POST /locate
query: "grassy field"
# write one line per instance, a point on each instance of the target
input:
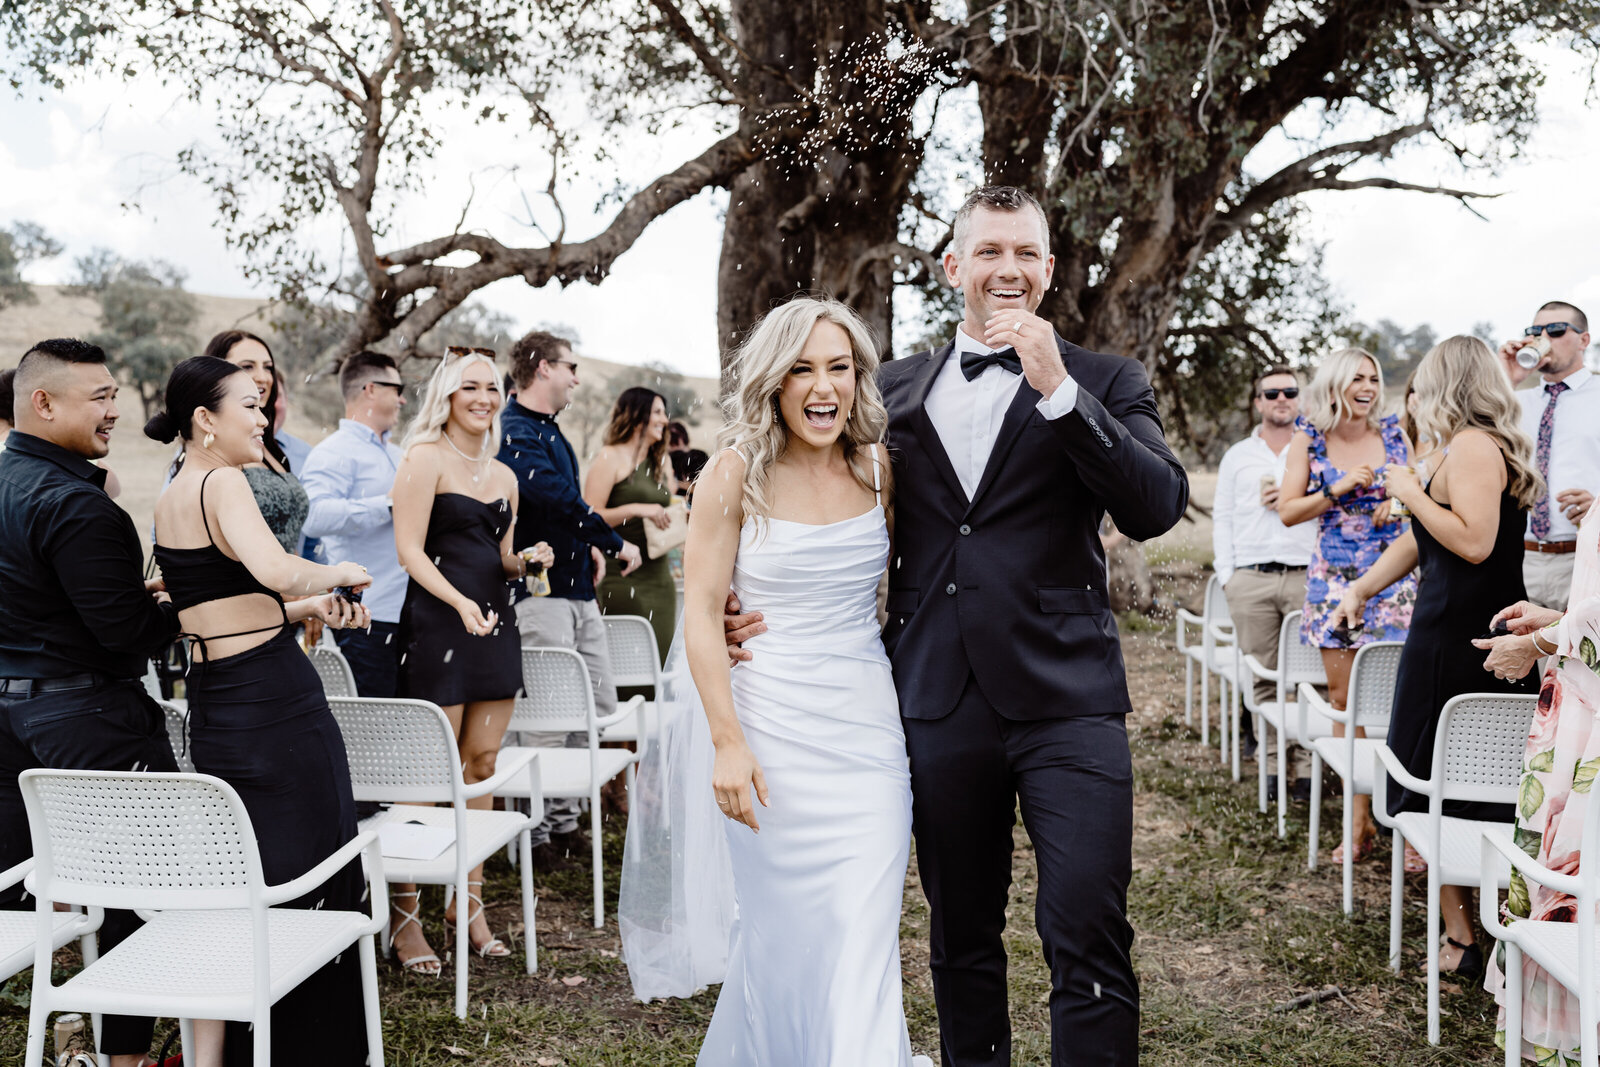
(1230, 924)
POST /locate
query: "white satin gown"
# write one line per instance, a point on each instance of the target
(813, 975)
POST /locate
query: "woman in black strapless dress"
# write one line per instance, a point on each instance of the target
(454, 506)
(258, 718)
(1466, 537)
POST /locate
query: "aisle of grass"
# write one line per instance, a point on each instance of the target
(1230, 923)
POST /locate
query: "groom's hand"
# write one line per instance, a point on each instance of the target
(739, 629)
(1035, 342)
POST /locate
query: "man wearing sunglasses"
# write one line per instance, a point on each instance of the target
(1562, 414)
(1260, 562)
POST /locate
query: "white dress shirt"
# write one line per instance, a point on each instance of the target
(1574, 443)
(1243, 531)
(348, 478)
(968, 414)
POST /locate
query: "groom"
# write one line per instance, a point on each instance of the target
(1009, 444)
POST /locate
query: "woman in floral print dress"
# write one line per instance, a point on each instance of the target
(1341, 449)
(1559, 769)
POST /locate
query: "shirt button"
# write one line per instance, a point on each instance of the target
(965, 529)
(950, 589)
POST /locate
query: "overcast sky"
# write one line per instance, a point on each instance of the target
(94, 166)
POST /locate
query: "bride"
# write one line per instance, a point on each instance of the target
(793, 902)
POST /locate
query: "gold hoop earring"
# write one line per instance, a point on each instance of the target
(210, 437)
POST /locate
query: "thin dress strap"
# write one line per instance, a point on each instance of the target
(203, 518)
(877, 492)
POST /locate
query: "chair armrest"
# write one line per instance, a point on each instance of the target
(11, 877)
(1531, 869)
(1310, 698)
(602, 721)
(1186, 619)
(1391, 763)
(1256, 668)
(1222, 631)
(367, 840)
(506, 767)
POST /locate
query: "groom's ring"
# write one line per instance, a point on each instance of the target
(1016, 328)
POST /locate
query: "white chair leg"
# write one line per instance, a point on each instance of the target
(1432, 947)
(1513, 1004)
(530, 902)
(1261, 764)
(1316, 811)
(1348, 875)
(594, 841)
(1284, 781)
(1397, 886)
(1188, 691)
(463, 947)
(369, 1001)
(1222, 718)
(1234, 712)
(38, 1017)
(262, 1032)
(1205, 704)
(186, 1039)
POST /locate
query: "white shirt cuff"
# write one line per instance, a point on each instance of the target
(1060, 402)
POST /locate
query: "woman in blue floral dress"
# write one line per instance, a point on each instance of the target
(1342, 447)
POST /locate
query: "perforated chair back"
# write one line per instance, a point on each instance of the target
(1479, 749)
(334, 670)
(1372, 676)
(399, 750)
(130, 839)
(1216, 603)
(178, 736)
(556, 694)
(1297, 661)
(631, 644)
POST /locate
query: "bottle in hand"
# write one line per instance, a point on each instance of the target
(537, 578)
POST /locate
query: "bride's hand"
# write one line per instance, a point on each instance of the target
(732, 776)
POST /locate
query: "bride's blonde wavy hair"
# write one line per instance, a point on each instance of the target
(755, 429)
(434, 411)
(1460, 387)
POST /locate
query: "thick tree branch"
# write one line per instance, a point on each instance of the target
(708, 59)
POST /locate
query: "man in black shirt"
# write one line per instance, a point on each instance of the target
(77, 622)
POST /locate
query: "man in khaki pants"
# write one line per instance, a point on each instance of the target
(1260, 562)
(1562, 415)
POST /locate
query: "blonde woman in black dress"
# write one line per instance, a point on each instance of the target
(454, 506)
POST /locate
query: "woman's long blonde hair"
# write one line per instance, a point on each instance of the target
(1324, 405)
(754, 427)
(434, 411)
(1460, 387)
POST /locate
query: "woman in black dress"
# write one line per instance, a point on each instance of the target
(454, 505)
(258, 718)
(1466, 536)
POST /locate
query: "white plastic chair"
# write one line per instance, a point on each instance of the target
(1566, 950)
(334, 670)
(1215, 654)
(405, 751)
(180, 849)
(19, 929)
(1477, 756)
(1371, 695)
(557, 698)
(635, 661)
(1298, 664)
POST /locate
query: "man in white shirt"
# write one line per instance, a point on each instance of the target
(1260, 562)
(1562, 415)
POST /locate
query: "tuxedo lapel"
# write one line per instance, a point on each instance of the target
(926, 432)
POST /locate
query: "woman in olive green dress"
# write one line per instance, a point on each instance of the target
(629, 484)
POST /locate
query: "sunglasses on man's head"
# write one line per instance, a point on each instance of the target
(457, 351)
(1550, 329)
(1272, 394)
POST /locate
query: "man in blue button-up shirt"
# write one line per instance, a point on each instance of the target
(349, 477)
(551, 508)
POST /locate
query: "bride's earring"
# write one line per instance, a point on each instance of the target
(206, 443)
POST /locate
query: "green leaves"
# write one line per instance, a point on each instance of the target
(1583, 776)
(1528, 841)
(1587, 653)
(1517, 902)
(1530, 796)
(1543, 761)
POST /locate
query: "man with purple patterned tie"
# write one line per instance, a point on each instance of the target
(1562, 415)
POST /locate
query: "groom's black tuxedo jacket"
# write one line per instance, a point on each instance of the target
(1011, 585)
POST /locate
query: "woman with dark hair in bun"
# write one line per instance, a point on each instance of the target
(258, 716)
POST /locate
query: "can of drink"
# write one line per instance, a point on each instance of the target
(537, 579)
(1268, 481)
(68, 1036)
(1531, 353)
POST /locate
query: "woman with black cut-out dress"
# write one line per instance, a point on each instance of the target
(454, 507)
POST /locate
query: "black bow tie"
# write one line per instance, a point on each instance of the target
(973, 363)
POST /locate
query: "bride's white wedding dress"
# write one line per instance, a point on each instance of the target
(812, 965)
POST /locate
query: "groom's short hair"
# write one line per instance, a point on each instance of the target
(996, 198)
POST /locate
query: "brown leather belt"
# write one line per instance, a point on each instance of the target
(1557, 548)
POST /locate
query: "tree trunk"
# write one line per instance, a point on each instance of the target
(824, 214)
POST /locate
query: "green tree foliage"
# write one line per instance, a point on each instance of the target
(145, 319)
(22, 244)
